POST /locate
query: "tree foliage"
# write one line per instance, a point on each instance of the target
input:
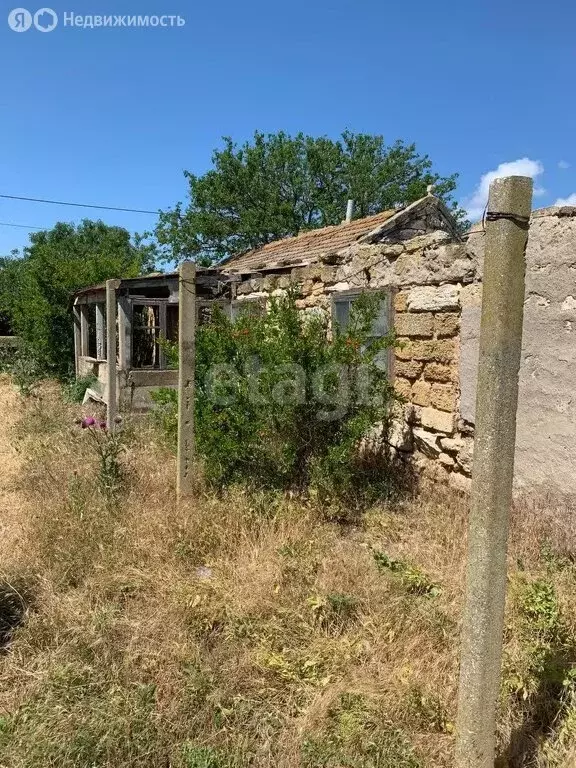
(278, 185)
(36, 287)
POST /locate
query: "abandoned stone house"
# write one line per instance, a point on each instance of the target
(430, 279)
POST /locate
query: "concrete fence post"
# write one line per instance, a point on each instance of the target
(100, 331)
(186, 361)
(77, 339)
(111, 350)
(507, 222)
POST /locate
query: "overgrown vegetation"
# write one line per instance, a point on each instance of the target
(75, 387)
(280, 406)
(8, 352)
(247, 631)
(36, 287)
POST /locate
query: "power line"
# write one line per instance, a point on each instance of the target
(20, 226)
(78, 205)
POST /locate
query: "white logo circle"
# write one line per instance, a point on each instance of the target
(19, 20)
(45, 20)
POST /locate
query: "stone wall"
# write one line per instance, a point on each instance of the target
(436, 286)
(546, 426)
(429, 277)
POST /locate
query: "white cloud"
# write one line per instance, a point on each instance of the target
(563, 165)
(570, 200)
(475, 204)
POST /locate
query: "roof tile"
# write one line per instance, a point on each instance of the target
(307, 246)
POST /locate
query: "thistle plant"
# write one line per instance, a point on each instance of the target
(108, 445)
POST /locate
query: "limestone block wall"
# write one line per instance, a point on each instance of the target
(430, 277)
(546, 418)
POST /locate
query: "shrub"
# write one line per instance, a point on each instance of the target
(8, 352)
(75, 388)
(26, 371)
(108, 445)
(281, 404)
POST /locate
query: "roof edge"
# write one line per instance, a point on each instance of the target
(404, 214)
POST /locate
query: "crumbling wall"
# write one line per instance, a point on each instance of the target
(546, 419)
(429, 277)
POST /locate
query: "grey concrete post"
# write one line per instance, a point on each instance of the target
(77, 339)
(100, 325)
(124, 333)
(186, 360)
(84, 331)
(507, 219)
(111, 349)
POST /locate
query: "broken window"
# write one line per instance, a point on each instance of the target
(90, 310)
(341, 307)
(146, 333)
(247, 308)
(205, 310)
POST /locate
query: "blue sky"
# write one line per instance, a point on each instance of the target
(113, 116)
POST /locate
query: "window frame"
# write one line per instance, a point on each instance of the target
(235, 304)
(349, 295)
(137, 301)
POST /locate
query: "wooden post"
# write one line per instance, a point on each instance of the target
(111, 349)
(186, 360)
(507, 222)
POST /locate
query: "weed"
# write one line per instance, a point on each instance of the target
(203, 757)
(427, 711)
(415, 581)
(75, 389)
(333, 611)
(109, 446)
(356, 735)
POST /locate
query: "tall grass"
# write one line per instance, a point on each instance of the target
(249, 630)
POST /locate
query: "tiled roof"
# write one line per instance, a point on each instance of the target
(307, 247)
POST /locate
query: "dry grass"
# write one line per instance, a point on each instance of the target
(249, 631)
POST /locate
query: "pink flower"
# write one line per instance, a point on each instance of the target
(87, 422)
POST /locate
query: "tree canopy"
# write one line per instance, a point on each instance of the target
(36, 287)
(278, 185)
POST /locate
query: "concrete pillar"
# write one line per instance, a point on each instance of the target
(124, 333)
(186, 360)
(111, 348)
(84, 332)
(77, 339)
(507, 221)
(100, 329)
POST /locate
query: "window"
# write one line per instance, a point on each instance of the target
(205, 310)
(247, 308)
(146, 332)
(341, 306)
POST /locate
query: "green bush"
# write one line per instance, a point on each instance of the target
(279, 405)
(8, 352)
(26, 370)
(75, 388)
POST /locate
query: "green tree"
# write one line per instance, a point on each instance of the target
(36, 287)
(278, 185)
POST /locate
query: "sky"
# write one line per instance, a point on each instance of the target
(113, 116)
